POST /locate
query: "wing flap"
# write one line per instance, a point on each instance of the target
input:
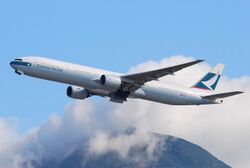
(222, 95)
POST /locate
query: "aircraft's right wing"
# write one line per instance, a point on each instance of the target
(134, 81)
(221, 95)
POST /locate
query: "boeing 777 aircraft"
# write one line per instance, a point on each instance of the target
(86, 81)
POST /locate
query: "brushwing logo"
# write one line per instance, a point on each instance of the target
(209, 82)
(212, 82)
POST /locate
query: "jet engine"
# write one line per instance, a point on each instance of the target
(77, 92)
(111, 82)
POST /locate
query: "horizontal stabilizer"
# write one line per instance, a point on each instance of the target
(222, 95)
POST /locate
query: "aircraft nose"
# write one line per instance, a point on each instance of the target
(12, 64)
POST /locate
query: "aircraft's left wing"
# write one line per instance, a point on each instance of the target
(134, 81)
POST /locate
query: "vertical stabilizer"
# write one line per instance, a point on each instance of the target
(210, 80)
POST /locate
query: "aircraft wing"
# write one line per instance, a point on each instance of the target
(134, 81)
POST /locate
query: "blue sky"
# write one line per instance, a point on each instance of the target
(113, 35)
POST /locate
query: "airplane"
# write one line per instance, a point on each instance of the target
(87, 81)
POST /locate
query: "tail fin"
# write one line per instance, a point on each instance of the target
(210, 80)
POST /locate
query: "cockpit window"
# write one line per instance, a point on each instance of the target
(18, 59)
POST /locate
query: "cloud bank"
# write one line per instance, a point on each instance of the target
(224, 130)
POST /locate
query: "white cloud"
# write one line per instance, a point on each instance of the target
(103, 142)
(16, 149)
(224, 130)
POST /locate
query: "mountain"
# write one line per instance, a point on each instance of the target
(173, 153)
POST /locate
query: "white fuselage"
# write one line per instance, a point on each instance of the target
(88, 77)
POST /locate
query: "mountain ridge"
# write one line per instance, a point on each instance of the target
(172, 153)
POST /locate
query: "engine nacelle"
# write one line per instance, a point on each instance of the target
(77, 92)
(111, 82)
